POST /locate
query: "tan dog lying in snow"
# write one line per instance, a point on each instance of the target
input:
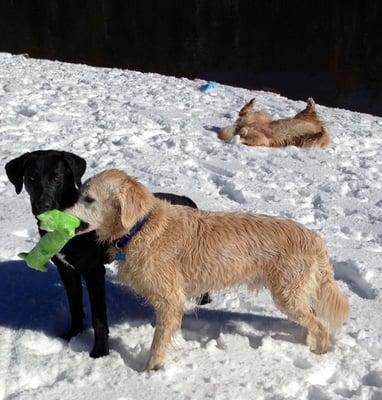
(256, 128)
(180, 252)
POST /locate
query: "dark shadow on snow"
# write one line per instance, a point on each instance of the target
(34, 300)
(37, 300)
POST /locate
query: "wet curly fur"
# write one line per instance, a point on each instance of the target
(182, 252)
(256, 128)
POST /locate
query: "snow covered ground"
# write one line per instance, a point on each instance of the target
(162, 129)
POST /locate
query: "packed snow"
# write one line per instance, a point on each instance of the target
(163, 130)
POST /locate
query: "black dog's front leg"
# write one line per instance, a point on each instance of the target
(95, 281)
(73, 286)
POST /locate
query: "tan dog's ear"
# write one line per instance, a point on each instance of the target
(135, 201)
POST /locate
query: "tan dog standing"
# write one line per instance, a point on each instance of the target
(256, 128)
(180, 252)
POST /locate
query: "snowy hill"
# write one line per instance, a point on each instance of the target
(162, 130)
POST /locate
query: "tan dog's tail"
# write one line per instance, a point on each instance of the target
(325, 138)
(332, 305)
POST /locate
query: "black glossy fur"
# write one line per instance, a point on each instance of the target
(52, 179)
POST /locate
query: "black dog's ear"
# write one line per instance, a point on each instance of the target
(77, 165)
(15, 171)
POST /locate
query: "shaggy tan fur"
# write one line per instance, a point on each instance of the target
(182, 253)
(305, 129)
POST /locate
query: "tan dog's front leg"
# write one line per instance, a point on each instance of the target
(168, 321)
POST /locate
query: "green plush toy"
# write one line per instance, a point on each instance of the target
(61, 227)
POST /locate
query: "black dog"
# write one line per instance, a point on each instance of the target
(52, 179)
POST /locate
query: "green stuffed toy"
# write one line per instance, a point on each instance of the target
(61, 228)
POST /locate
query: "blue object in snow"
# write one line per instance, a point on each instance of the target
(208, 86)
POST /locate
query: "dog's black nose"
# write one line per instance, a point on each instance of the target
(43, 206)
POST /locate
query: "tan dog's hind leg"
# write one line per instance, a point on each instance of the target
(317, 336)
(293, 295)
(168, 317)
(309, 112)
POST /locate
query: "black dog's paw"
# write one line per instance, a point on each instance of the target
(99, 351)
(205, 299)
(72, 332)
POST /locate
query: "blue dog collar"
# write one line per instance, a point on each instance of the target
(125, 239)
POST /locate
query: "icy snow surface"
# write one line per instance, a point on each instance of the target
(163, 130)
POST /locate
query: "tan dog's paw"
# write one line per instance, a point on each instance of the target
(154, 365)
(243, 132)
(311, 342)
(316, 345)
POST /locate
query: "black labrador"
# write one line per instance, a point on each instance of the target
(52, 179)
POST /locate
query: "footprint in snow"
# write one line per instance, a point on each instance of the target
(348, 272)
(229, 189)
(41, 344)
(301, 363)
(218, 169)
(316, 392)
(26, 111)
(373, 378)
(134, 358)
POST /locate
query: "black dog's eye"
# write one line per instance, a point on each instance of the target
(31, 178)
(56, 178)
(88, 199)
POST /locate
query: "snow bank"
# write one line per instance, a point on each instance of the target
(163, 130)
